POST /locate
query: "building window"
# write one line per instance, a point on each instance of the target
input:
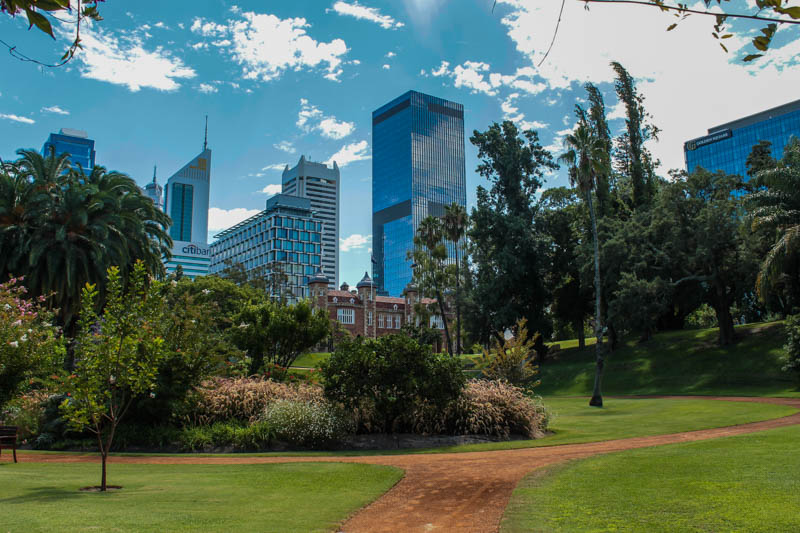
(395, 307)
(346, 316)
(335, 299)
(397, 322)
(369, 318)
(436, 322)
(380, 320)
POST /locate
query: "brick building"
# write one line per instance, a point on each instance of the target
(362, 312)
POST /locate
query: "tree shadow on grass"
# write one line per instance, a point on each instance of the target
(43, 495)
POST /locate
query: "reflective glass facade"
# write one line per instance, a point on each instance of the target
(417, 169)
(284, 240)
(181, 212)
(79, 147)
(726, 147)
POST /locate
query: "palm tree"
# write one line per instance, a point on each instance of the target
(777, 205)
(455, 222)
(429, 236)
(587, 158)
(67, 228)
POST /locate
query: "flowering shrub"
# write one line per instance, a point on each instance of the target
(25, 412)
(307, 425)
(491, 408)
(244, 399)
(29, 342)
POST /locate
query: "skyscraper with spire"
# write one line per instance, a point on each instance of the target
(186, 202)
(155, 192)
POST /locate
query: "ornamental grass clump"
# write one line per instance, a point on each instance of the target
(307, 425)
(244, 399)
(489, 408)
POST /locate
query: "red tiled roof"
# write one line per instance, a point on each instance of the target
(343, 294)
(389, 300)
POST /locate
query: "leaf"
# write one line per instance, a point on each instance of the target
(762, 43)
(723, 47)
(672, 26)
(727, 36)
(752, 57)
(40, 21)
(793, 12)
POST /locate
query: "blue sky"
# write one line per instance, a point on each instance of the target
(281, 79)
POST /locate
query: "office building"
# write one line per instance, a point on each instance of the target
(282, 244)
(76, 143)
(186, 202)
(417, 170)
(319, 184)
(155, 192)
(727, 146)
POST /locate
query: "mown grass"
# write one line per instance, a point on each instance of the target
(743, 483)
(279, 498)
(680, 362)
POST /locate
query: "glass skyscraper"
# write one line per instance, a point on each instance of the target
(76, 143)
(417, 170)
(726, 147)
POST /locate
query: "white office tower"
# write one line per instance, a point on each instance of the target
(186, 202)
(319, 184)
(155, 192)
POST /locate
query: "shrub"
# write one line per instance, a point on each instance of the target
(512, 359)
(244, 399)
(155, 437)
(382, 380)
(254, 437)
(792, 347)
(26, 413)
(195, 438)
(307, 425)
(490, 408)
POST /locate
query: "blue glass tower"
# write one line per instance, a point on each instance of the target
(726, 147)
(76, 143)
(417, 170)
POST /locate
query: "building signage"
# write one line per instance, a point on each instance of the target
(708, 139)
(191, 249)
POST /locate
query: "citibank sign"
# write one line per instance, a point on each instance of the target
(190, 248)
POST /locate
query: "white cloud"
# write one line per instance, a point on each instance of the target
(276, 166)
(511, 112)
(266, 46)
(220, 219)
(311, 118)
(207, 88)
(386, 67)
(390, 54)
(17, 118)
(354, 242)
(285, 146)
(272, 189)
(371, 14)
(478, 77)
(350, 153)
(673, 69)
(124, 60)
(55, 109)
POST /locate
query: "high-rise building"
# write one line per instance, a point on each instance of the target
(281, 244)
(417, 170)
(76, 143)
(155, 192)
(319, 184)
(727, 146)
(186, 202)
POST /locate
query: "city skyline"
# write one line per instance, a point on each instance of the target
(145, 80)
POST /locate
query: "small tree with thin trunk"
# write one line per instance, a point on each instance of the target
(586, 155)
(117, 355)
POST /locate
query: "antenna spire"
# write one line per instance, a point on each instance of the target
(154, 173)
(205, 139)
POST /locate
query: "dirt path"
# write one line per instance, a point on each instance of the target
(463, 492)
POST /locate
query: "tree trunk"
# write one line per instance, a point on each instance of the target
(597, 395)
(458, 303)
(444, 322)
(723, 311)
(581, 334)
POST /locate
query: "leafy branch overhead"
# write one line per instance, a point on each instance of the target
(39, 13)
(772, 12)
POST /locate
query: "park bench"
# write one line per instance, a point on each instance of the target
(8, 439)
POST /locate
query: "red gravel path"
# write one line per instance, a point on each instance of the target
(464, 492)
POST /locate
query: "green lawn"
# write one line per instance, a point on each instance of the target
(744, 483)
(311, 360)
(681, 362)
(279, 498)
